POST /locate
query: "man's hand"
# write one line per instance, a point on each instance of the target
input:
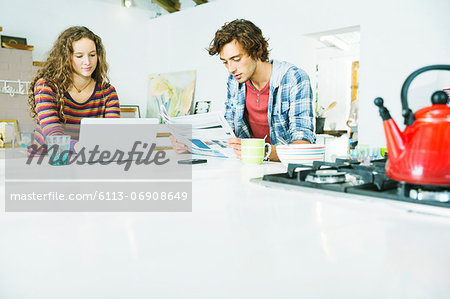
(180, 148)
(235, 144)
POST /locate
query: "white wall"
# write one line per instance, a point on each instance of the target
(397, 37)
(122, 30)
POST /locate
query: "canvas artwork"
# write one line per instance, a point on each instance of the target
(173, 90)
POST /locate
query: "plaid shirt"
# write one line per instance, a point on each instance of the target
(290, 113)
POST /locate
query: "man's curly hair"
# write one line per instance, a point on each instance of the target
(246, 33)
(58, 71)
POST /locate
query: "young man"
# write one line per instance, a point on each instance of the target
(265, 98)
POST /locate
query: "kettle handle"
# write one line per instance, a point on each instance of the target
(406, 111)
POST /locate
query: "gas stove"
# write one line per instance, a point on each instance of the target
(349, 176)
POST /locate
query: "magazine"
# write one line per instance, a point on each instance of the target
(209, 134)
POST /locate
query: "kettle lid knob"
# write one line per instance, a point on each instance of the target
(439, 98)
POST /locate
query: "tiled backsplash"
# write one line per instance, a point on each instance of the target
(16, 65)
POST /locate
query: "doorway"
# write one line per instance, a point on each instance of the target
(336, 77)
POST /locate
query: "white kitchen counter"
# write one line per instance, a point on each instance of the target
(242, 240)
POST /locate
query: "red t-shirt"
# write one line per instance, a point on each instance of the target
(256, 105)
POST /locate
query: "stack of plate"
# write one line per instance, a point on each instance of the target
(301, 153)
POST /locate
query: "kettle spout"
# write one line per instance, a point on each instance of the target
(394, 137)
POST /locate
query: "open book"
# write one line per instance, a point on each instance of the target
(208, 136)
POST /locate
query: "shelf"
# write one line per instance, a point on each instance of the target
(336, 133)
(17, 46)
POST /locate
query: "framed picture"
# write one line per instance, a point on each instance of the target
(13, 40)
(202, 107)
(130, 111)
(9, 132)
(174, 91)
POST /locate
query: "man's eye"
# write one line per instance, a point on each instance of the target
(224, 62)
(237, 59)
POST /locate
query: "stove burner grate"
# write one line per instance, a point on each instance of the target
(327, 176)
(425, 192)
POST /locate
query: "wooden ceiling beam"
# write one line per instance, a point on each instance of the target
(198, 2)
(169, 5)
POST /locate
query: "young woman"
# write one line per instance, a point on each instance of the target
(71, 85)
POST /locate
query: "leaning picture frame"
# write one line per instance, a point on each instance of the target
(130, 111)
(9, 131)
(14, 40)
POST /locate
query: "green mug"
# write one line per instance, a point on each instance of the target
(253, 149)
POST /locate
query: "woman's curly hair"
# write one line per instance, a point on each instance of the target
(246, 33)
(58, 71)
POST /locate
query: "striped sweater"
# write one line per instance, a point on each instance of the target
(102, 103)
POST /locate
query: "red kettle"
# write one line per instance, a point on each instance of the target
(421, 153)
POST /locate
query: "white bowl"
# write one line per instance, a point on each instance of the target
(301, 153)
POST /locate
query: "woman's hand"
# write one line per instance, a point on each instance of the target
(76, 147)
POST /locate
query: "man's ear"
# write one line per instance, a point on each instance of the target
(260, 50)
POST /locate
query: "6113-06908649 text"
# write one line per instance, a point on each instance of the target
(101, 195)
